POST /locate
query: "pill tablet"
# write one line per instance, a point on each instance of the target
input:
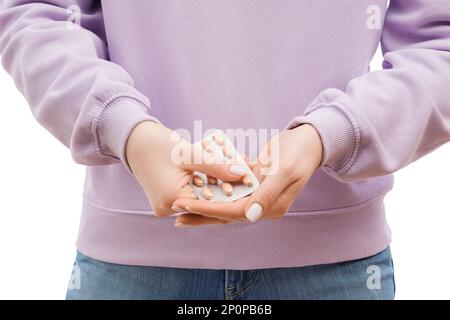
(198, 181)
(213, 189)
(207, 193)
(247, 181)
(227, 189)
(212, 180)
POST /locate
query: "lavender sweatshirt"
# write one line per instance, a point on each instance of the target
(265, 64)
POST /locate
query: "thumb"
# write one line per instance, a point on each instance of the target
(262, 199)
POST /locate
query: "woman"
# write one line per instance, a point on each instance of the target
(315, 228)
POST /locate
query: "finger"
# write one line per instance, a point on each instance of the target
(221, 210)
(251, 164)
(212, 166)
(257, 171)
(189, 220)
(235, 211)
(284, 201)
(187, 192)
(263, 198)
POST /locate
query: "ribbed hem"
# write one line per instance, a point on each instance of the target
(298, 239)
(115, 124)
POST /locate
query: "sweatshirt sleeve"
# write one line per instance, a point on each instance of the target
(387, 119)
(61, 67)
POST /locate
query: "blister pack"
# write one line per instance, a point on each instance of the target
(211, 189)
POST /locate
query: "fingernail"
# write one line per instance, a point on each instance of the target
(237, 170)
(176, 209)
(181, 225)
(254, 212)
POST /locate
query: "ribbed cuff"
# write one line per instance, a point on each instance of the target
(339, 134)
(115, 124)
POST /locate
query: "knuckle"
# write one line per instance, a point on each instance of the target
(161, 204)
(166, 202)
(267, 196)
(298, 176)
(165, 199)
(162, 210)
(159, 212)
(292, 171)
(276, 214)
(288, 168)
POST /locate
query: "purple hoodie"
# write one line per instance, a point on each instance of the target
(265, 64)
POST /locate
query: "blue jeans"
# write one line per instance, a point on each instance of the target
(368, 278)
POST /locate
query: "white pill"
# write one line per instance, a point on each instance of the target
(247, 181)
(227, 189)
(212, 180)
(198, 181)
(207, 193)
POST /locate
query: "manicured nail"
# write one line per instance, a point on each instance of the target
(176, 209)
(237, 170)
(254, 212)
(181, 225)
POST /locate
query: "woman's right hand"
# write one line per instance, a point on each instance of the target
(163, 162)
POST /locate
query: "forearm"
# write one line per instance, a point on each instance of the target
(87, 102)
(387, 119)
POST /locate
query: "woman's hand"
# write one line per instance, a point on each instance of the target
(284, 167)
(162, 163)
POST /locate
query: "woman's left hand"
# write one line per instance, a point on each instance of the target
(284, 167)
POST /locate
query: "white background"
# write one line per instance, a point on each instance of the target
(40, 192)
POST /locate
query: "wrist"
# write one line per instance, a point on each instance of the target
(140, 140)
(115, 123)
(313, 141)
(339, 133)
